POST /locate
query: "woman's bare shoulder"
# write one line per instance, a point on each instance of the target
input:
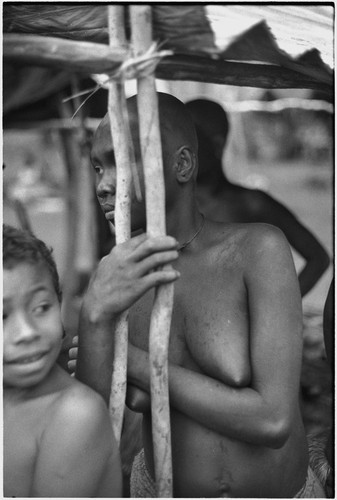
(243, 233)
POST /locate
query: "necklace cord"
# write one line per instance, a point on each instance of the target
(184, 245)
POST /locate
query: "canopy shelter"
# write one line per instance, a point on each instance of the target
(245, 45)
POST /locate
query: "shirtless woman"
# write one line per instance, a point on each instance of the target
(236, 338)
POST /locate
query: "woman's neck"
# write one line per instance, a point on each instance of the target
(183, 220)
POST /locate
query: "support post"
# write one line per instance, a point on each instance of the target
(121, 145)
(141, 32)
(87, 231)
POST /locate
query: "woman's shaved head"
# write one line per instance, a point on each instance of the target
(176, 125)
(179, 151)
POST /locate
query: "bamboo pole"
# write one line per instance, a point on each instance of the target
(141, 26)
(123, 157)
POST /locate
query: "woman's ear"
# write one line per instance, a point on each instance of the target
(184, 164)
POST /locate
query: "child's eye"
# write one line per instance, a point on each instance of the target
(98, 170)
(42, 308)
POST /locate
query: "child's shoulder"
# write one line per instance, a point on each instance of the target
(76, 394)
(75, 401)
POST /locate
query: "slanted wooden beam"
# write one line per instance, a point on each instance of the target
(54, 124)
(89, 58)
(72, 55)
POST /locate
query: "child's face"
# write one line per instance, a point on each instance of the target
(32, 327)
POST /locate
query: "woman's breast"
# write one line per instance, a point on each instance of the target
(216, 336)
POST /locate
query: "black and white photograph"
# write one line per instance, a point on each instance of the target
(168, 211)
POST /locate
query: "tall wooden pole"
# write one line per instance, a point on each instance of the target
(123, 158)
(141, 32)
(70, 155)
(87, 233)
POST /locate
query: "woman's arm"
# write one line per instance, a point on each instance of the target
(122, 277)
(262, 413)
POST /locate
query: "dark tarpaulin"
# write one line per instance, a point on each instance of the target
(176, 27)
(251, 58)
